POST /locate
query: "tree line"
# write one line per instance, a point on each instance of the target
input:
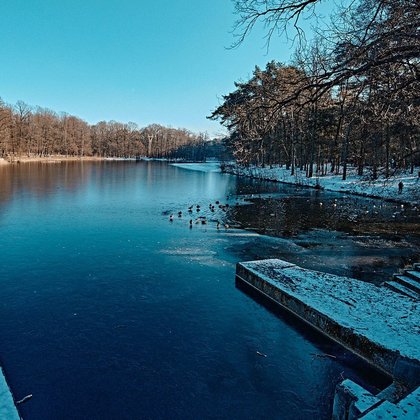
(349, 97)
(35, 131)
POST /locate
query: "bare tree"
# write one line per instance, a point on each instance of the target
(276, 16)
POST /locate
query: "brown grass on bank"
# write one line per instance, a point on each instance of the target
(50, 159)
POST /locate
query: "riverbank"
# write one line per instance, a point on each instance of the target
(62, 158)
(55, 159)
(7, 406)
(383, 188)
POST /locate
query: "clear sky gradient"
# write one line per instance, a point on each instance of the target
(156, 61)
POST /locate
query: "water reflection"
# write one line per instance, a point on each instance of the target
(292, 213)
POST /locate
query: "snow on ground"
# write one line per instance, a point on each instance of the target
(202, 167)
(7, 406)
(118, 158)
(354, 184)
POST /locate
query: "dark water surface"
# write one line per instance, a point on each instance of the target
(110, 311)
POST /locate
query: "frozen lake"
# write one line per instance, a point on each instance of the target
(110, 311)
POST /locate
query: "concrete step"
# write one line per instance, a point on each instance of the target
(399, 288)
(393, 393)
(407, 282)
(416, 266)
(415, 275)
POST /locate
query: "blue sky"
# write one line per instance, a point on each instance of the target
(156, 61)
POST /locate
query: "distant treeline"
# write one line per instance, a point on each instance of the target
(351, 97)
(35, 131)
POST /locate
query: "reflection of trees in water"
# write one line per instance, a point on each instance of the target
(327, 238)
(291, 215)
(39, 179)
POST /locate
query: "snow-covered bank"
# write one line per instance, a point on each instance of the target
(381, 188)
(7, 406)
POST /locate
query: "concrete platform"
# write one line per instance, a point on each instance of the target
(406, 409)
(8, 409)
(376, 323)
(353, 402)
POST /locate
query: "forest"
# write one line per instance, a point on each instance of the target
(349, 96)
(39, 132)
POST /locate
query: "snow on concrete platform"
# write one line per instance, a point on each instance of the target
(351, 401)
(374, 322)
(407, 409)
(7, 406)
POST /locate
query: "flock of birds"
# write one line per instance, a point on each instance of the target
(202, 219)
(201, 216)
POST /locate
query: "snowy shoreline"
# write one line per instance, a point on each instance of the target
(8, 409)
(381, 188)
(56, 159)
